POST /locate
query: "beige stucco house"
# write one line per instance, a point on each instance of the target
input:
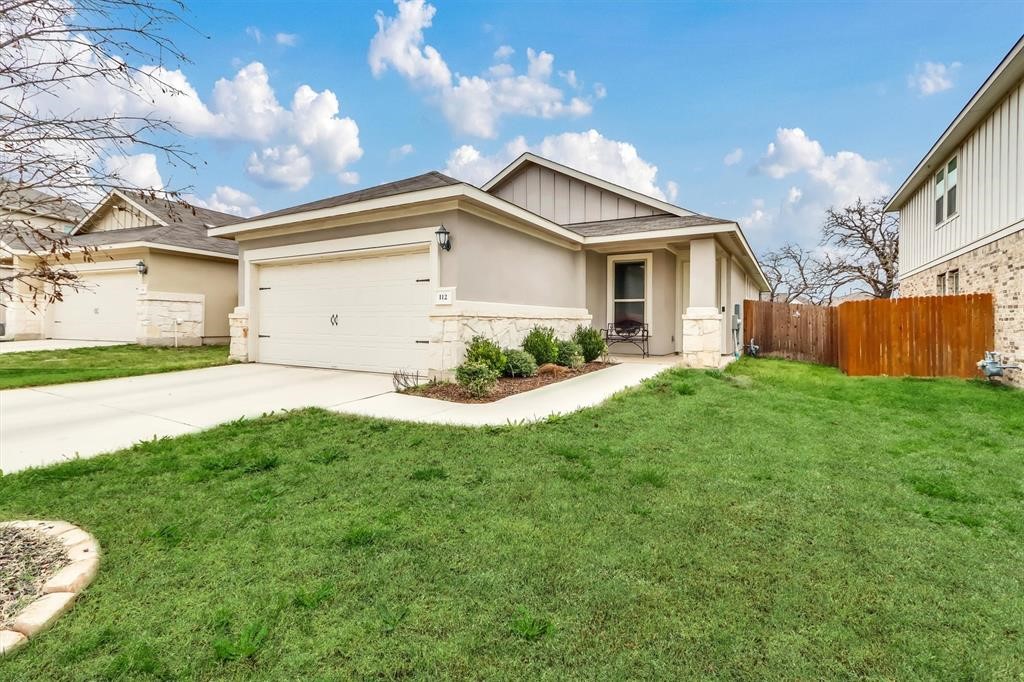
(147, 273)
(962, 208)
(359, 281)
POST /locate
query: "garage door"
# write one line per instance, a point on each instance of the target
(105, 311)
(367, 313)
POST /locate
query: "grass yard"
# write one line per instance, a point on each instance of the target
(39, 368)
(775, 521)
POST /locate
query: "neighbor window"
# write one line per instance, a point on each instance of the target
(630, 292)
(945, 191)
(953, 282)
(940, 284)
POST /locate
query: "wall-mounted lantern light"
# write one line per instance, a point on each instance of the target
(142, 267)
(444, 238)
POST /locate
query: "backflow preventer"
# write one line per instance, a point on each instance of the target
(991, 366)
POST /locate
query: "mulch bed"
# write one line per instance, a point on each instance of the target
(27, 560)
(505, 387)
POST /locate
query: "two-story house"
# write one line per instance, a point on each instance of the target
(962, 208)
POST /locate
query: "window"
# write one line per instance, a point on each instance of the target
(940, 284)
(945, 192)
(953, 282)
(629, 289)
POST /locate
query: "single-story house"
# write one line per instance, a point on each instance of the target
(402, 275)
(23, 208)
(147, 271)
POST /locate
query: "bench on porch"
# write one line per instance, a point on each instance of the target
(636, 333)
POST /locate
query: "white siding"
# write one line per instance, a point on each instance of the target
(990, 189)
(118, 215)
(565, 200)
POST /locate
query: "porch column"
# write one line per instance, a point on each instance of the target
(702, 320)
(25, 320)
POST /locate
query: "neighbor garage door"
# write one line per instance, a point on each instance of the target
(366, 313)
(102, 311)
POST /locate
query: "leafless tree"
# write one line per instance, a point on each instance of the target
(56, 143)
(862, 242)
(858, 253)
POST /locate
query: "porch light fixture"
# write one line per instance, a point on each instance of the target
(142, 267)
(444, 238)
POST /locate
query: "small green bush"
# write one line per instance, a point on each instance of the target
(541, 344)
(591, 342)
(476, 377)
(482, 349)
(569, 354)
(520, 363)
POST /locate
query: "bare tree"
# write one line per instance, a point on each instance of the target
(865, 240)
(797, 275)
(54, 56)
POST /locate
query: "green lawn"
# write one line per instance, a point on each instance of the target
(776, 521)
(39, 368)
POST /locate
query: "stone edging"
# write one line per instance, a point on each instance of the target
(60, 591)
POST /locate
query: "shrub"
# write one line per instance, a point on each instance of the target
(520, 363)
(482, 349)
(569, 354)
(476, 377)
(541, 344)
(591, 342)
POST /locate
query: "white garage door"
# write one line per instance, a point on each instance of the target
(367, 313)
(104, 311)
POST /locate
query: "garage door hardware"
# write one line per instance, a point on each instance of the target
(264, 288)
(418, 341)
(425, 279)
(264, 336)
(334, 320)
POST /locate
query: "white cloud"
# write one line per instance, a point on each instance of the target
(930, 78)
(254, 33)
(138, 171)
(227, 199)
(287, 39)
(316, 126)
(733, 157)
(401, 152)
(472, 104)
(280, 167)
(570, 78)
(348, 178)
(589, 151)
(600, 92)
(826, 180)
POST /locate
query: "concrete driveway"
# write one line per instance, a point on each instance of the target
(51, 344)
(51, 423)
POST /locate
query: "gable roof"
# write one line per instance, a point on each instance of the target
(161, 210)
(1007, 74)
(529, 157)
(28, 200)
(417, 182)
(641, 224)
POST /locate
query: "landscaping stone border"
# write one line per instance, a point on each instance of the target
(60, 591)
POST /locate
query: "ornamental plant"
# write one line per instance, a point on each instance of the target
(569, 354)
(591, 342)
(482, 349)
(541, 344)
(520, 363)
(477, 378)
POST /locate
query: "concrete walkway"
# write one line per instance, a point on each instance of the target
(560, 398)
(48, 424)
(51, 344)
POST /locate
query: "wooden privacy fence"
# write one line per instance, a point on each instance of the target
(928, 336)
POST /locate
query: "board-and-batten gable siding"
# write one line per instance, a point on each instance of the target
(118, 216)
(565, 200)
(990, 189)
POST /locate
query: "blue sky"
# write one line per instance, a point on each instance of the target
(825, 101)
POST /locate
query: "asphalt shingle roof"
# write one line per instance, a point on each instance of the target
(652, 223)
(16, 198)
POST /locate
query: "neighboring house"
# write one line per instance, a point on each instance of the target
(962, 208)
(22, 208)
(359, 281)
(148, 274)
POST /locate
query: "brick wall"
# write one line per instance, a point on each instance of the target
(997, 268)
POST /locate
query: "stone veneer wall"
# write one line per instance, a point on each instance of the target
(157, 312)
(702, 338)
(508, 329)
(238, 326)
(996, 268)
